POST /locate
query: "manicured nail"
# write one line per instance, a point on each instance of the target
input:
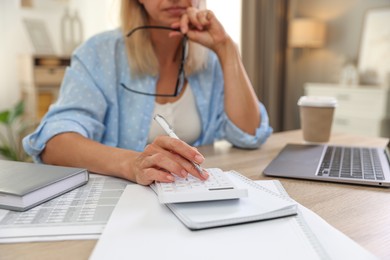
(199, 158)
(184, 173)
(171, 178)
(205, 174)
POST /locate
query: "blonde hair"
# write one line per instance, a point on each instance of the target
(139, 47)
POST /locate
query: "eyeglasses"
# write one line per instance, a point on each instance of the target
(180, 76)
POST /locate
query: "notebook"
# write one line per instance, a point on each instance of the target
(345, 164)
(26, 185)
(142, 228)
(261, 204)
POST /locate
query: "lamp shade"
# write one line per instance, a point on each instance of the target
(306, 33)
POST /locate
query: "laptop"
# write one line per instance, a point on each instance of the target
(322, 162)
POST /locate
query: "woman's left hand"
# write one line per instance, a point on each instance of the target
(203, 27)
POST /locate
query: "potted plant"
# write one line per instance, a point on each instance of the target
(12, 130)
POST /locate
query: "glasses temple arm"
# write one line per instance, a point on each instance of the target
(151, 27)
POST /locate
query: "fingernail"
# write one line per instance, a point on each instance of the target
(183, 29)
(199, 158)
(205, 174)
(184, 173)
(171, 178)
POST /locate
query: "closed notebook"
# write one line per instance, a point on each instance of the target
(26, 185)
(261, 204)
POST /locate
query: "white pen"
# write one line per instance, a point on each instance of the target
(168, 129)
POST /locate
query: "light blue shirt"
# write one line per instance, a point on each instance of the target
(93, 103)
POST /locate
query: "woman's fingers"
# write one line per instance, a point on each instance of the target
(179, 147)
(184, 155)
(184, 23)
(150, 175)
(204, 17)
(166, 157)
(201, 26)
(162, 159)
(194, 19)
(198, 18)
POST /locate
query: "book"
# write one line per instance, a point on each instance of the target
(261, 204)
(26, 185)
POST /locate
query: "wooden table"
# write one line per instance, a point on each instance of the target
(360, 212)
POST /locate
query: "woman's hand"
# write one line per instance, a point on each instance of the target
(241, 102)
(203, 27)
(163, 157)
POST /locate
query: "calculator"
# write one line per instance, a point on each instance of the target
(191, 189)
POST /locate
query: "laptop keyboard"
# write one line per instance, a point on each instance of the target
(351, 162)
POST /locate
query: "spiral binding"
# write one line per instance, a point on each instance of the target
(312, 238)
(257, 186)
(315, 243)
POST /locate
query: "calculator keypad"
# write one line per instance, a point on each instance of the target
(217, 186)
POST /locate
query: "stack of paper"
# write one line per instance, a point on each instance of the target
(142, 228)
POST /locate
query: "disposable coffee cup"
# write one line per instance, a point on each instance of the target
(316, 115)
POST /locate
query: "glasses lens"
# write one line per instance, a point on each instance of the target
(180, 84)
(174, 88)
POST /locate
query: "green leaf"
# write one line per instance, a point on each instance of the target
(8, 153)
(10, 143)
(4, 115)
(16, 111)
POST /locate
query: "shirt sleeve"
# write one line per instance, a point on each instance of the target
(242, 139)
(80, 108)
(228, 130)
(209, 92)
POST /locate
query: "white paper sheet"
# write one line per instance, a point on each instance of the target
(141, 228)
(78, 214)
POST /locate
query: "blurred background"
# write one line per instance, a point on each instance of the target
(290, 48)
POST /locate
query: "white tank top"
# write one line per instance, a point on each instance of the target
(182, 115)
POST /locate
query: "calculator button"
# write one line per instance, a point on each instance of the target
(218, 186)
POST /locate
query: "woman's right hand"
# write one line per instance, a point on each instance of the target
(162, 158)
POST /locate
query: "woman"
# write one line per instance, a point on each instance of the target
(102, 120)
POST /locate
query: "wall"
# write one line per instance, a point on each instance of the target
(13, 39)
(95, 18)
(344, 21)
(230, 17)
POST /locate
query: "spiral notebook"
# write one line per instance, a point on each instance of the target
(261, 204)
(139, 222)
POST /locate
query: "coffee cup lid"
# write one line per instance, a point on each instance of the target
(317, 101)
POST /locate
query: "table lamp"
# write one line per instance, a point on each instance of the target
(306, 33)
